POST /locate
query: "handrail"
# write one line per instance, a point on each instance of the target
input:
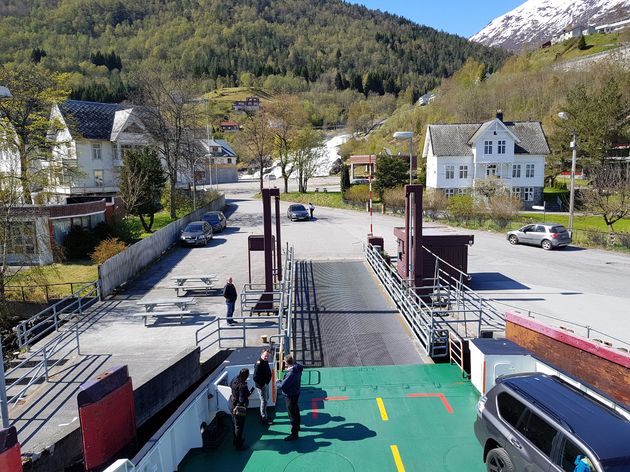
(456, 352)
(21, 289)
(51, 318)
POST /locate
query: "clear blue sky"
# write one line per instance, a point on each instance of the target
(462, 17)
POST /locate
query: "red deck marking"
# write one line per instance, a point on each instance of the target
(440, 395)
(314, 402)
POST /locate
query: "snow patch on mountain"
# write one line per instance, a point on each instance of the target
(537, 21)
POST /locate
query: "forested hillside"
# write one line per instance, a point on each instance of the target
(296, 43)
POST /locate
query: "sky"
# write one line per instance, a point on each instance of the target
(462, 17)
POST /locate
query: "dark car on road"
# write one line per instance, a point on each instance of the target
(539, 423)
(298, 212)
(197, 233)
(546, 235)
(216, 219)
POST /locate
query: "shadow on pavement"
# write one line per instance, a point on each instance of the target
(494, 281)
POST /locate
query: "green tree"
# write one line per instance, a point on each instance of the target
(581, 43)
(256, 142)
(142, 180)
(609, 193)
(307, 155)
(391, 172)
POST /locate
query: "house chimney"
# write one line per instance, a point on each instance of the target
(500, 115)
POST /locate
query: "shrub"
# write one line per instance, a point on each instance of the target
(503, 208)
(434, 203)
(461, 207)
(624, 240)
(79, 243)
(126, 230)
(394, 197)
(357, 194)
(597, 238)
(106, 249)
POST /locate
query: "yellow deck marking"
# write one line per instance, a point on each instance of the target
(381, 408)
(399, 463)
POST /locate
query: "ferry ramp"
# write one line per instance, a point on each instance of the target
(343, 317)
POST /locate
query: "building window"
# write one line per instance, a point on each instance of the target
(487, 147)
(98, 178)
(449, 192)
(450, 172)
(529, 171)
(462, 191)
(22, 237)
(463, 172)
(501, 147)
(526, 193)
(516, 171)
(96, 151)
(229, 160)
(491, 170)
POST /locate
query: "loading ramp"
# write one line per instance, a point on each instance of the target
(343, 318)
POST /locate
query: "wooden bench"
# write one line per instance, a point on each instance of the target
(198, 282)
(179, 313)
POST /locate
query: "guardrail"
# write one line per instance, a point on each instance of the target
(29, 292)
(46, 321)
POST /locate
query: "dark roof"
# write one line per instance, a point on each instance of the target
(452, 140)
(604, 431)
(92, 120)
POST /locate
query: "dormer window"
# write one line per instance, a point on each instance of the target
(501, 147)
(487, 147)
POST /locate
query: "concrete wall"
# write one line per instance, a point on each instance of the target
(605, 368)
(150, 397)
(126, 265)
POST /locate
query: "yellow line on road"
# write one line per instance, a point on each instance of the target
(399, 463)
(381, 408)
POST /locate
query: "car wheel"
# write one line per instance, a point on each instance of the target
(513, 240)
(498, 460)
(546, 244)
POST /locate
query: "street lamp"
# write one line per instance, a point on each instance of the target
(565, 116)
(4, 405)
(407, 135)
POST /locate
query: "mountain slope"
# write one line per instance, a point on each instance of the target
(537, 21)
(215, 39)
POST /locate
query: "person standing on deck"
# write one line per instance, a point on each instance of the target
(290, 386)
(239, 400)
(230, 295)
(262, 377)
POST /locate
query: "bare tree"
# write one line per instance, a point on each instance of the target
(287, 118)
(308, 151)
(609, 195)
(255, 142)
(170, 113)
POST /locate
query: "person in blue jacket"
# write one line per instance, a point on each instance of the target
(290, 386)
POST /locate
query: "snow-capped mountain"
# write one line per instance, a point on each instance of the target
(537, 21)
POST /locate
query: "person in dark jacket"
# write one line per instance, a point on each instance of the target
(290, 386)
(230, 295)
(262, 377)
(240, 397)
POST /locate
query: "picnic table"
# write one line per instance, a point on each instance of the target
(172, 307)
(193, 282)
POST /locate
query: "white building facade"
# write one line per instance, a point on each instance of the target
(511, 154)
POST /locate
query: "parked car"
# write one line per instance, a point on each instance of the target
(216, 219)
(196, 233)
(545, 235)
(298, 212)
(539, 423)
(360, 181)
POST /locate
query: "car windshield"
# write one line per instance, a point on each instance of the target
(298, 208)
(193, 228)
(558, 229)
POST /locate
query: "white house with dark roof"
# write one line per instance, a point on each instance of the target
(458, 156)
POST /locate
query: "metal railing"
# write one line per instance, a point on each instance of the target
(52, 318)
(49, 291)
(280, 302)
(39, 363)
(456, 352)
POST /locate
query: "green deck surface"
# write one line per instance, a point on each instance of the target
(350, 434)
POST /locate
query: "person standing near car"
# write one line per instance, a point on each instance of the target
(311, 209)
(262, 377)
(230, 295)
(291, 386)
(239, 400)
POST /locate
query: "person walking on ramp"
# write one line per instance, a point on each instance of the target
(291, 386)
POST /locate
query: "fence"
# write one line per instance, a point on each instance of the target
(126, 265)
(39, 293)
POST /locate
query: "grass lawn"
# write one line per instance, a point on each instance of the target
(65, 273)
(161, 220)
(567, 50)
(580, 222)
(324, 199)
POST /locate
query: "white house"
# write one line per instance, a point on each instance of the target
(458, 156)
(612, 27)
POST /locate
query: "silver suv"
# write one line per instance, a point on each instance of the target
(545, 235)
(538, 423)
